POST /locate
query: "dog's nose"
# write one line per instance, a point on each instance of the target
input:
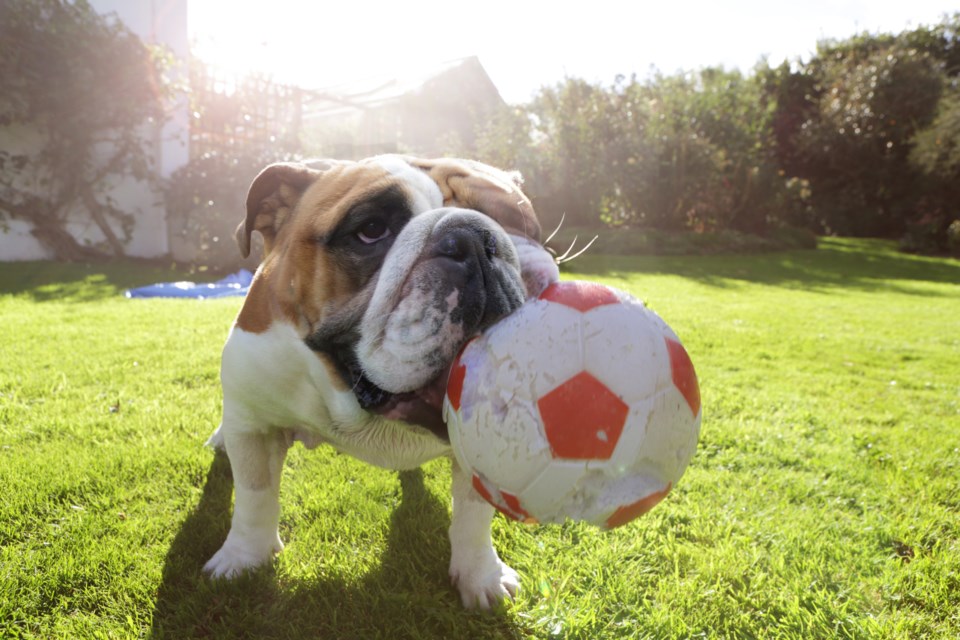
(461, 243)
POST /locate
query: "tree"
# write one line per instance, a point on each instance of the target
(700, 153)
(87, 90)
(865, 99)
(936, 156)
(574, 132)
(852, 142)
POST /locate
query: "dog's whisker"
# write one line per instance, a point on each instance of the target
(566, 253)
(565, 258)
(563, 216)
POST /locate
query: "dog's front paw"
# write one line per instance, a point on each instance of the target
(483, 581)
(235, 557)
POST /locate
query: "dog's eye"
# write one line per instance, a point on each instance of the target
(373, 231)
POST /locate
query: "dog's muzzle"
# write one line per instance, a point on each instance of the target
(450, 274)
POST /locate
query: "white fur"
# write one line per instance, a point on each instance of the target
(538, 268)
(424, 192)
(257, 462)
(275, 387)
(274, 381)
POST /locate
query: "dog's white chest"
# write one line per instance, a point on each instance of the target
(272, 378)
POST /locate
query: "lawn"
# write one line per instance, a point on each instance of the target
(823, 502)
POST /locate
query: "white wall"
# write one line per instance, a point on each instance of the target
(161, 22)
(155, 21)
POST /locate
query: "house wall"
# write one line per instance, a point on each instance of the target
(437, 115)
(161, 22)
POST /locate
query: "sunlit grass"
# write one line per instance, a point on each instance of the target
(823, 501)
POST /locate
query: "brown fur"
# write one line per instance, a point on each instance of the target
(473, 185)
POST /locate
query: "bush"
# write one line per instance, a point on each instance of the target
(953, 237)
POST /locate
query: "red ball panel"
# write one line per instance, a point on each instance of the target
(481, 488)
(582, 419)
(455, 384)
(506, 503)
(579, 295)
(458, 374)
(684, 376)
(629, 512)
(518, 512)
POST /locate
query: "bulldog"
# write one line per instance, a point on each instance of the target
(374, 275)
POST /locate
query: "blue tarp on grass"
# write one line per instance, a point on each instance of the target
(235, 284)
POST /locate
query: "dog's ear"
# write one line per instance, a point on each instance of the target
(474, 185)
(272, 196)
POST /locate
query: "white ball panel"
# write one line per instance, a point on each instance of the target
(497, 429)
(624, 348)
(670, 433)
(547, 498)
(544, 339)
(633, 438)
(606, 495)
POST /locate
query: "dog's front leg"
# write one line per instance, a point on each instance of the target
(256, 460)
(475, 568)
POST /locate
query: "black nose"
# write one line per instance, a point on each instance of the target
(461, 243)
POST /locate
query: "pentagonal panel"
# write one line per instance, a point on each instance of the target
(580, 295)
(624, 348)
(582, 419)
(634, 510)
(506, 503)
(458, 372)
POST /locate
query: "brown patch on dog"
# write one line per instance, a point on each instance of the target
(474, 185)
(255, 315)
(296, 208)
(272, 196)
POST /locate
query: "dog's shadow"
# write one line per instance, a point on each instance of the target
(387, 602)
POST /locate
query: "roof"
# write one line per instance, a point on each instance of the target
(373, 92)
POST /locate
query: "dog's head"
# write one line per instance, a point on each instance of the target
(387, 266)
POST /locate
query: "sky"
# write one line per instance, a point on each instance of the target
(527, 44)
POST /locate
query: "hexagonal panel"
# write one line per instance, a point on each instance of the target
(579, 294)
(548, 496)
(684, 376)
(582, 419)
(623, 347)
(498, 418)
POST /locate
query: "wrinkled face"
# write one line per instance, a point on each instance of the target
(386, 267)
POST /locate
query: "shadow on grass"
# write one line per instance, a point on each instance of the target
(866, 265)
(389, 602)
(76, 282)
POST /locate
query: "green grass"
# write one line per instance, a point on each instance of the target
(824, 500)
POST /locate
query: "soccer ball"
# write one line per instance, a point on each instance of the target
(580, 405)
